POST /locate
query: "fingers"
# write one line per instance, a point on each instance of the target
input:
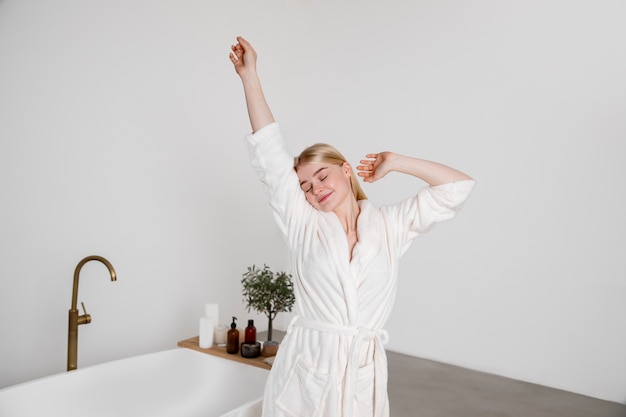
(237, 51)
(367, 176)
(236, 55)
(243, 42)
(366, 172)
(367, 169)
(241, 47)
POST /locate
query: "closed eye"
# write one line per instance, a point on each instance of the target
(320, 174)
(306, 186)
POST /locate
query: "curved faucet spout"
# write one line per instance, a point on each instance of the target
(77, 274)
(74, 319)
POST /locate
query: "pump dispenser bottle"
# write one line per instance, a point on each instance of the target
(232, 345)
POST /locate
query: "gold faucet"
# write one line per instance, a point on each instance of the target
(75, 320)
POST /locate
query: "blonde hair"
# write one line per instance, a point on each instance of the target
(324, 153)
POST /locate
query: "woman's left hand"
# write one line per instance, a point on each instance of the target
(380, 164)
(377, 166)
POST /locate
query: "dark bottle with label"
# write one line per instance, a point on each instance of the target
(250, 333)
(232, 343)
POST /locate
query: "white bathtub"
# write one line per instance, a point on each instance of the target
(174, 383)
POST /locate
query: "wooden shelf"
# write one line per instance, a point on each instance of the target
(193, 343)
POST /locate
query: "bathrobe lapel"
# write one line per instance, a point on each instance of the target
(340, 249)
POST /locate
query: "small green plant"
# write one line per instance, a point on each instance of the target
(268, 292)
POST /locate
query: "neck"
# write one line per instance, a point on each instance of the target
(348, 214)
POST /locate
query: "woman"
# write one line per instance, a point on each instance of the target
(345, 255)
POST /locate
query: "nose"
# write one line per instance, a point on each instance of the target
(317, 189)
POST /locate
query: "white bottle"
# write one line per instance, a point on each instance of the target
(206, 330)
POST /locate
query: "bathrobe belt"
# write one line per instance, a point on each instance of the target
(361, 336)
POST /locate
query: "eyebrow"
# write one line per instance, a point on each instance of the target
(314, 174)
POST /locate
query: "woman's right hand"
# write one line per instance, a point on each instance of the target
(243, 57)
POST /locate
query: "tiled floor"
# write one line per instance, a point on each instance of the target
(422, 388)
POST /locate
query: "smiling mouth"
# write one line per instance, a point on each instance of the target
(324, 197)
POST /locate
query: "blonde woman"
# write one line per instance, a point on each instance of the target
(345, 255)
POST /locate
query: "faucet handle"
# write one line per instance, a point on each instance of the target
(85, 318)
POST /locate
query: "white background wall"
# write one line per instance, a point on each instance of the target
(121, 126)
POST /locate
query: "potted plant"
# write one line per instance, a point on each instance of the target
(268, 293)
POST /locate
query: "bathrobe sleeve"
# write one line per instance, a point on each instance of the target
(273, 165)
(416, 215)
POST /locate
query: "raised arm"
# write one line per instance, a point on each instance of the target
(380, 164)
(244, 58)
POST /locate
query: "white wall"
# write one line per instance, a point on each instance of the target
(120, 135)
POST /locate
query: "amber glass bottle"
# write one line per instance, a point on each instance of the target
(232, 343)
(250, 333)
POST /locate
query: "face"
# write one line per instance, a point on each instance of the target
(326, 186)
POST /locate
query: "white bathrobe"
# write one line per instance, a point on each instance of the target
(332, 362)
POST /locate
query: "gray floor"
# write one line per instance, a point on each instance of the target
(422, 388)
